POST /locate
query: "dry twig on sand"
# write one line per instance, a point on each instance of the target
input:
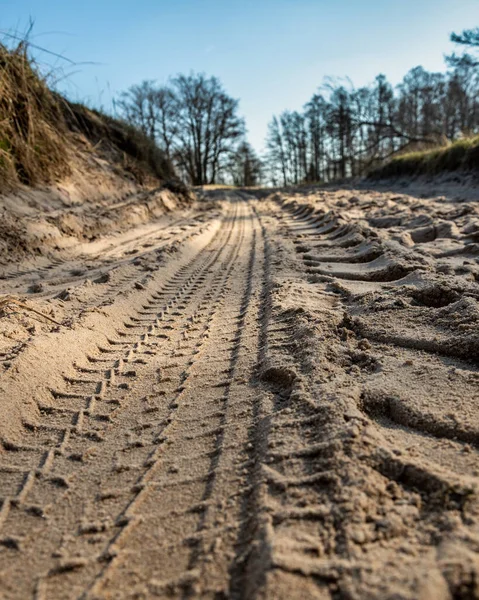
(6, 300)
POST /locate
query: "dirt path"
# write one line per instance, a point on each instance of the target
(165, 409)
(241, 407)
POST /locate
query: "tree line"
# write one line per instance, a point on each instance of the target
(341, 132)
(197, 125)
(344, 132)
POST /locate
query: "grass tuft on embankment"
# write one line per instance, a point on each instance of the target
(461, 154)
(32, 144)
(37, 128)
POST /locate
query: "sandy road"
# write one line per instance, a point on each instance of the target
(262, 412)
(142, 465)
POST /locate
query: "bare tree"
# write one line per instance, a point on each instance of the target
(246, 167)
(277, 156)
(343, 131)
(315, 115)
(166, 107)
(138, 107)
(193, 120)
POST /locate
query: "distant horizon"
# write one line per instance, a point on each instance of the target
(271, 57)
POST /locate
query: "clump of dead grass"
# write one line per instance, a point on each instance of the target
(38, 127)
(32, 146)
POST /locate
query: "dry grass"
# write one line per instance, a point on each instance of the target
(32, 147)
(118, 142)
(7, 301)
(461, 154)
(36, 126)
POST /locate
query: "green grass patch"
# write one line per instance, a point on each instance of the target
(461, 154)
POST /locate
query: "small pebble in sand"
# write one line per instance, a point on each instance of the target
(36, 288)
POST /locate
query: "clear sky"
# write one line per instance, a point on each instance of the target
(271, 54)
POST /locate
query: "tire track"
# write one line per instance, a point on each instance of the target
(370, 263)
(191, 350)
(63, 271)
(220, 413)
(239, 436)
(390, 423)
(257, 561)
(196, 335)
(62, 430)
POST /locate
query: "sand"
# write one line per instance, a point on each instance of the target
(257, 395)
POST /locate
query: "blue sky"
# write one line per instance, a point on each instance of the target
(271, 54)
